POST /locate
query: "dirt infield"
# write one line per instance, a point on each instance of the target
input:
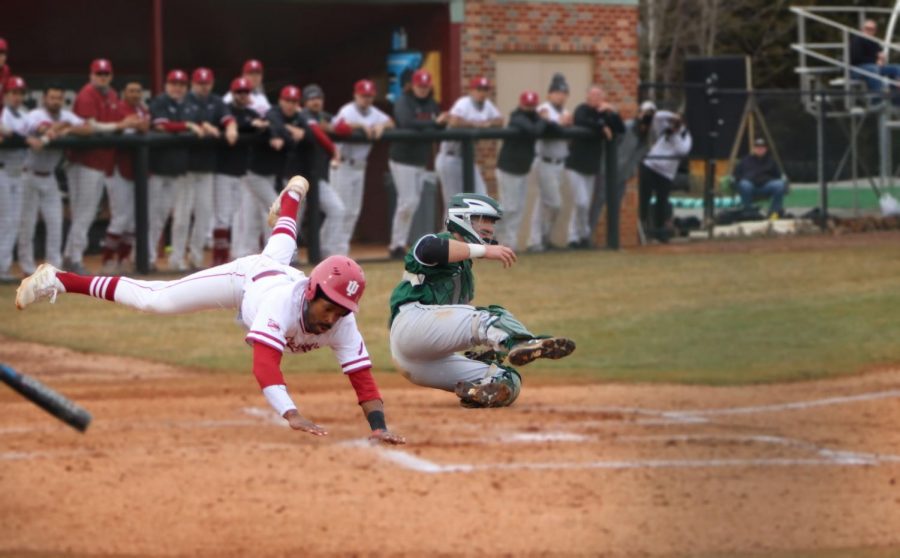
(182, 463)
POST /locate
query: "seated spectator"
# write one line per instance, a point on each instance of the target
(867, 54)
(757, 175)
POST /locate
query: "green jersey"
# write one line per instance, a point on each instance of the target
(439, 284)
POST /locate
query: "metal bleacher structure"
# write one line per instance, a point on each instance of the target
(837, 89)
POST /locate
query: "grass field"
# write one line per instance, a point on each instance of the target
(717, 318)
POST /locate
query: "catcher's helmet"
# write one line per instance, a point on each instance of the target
(463, 207)
(341, 280)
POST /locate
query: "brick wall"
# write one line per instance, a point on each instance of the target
(608, 32)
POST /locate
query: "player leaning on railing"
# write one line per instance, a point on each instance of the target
(280, 306)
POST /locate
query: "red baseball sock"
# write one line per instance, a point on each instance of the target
(221, 246)
(95, 286)
(110, 246)
(287, 217)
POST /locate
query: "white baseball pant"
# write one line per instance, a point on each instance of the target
(335, 212)
(581, 186)
(408, 181)
(40, 194)
(10, 214)
(226, 198)
(450, 171)
(513, 194)
(120, 192)
(194, 198)
(348, 182)
(546, 211)
(85, 191)
(256, 197)
(425, 340)
(161, 192)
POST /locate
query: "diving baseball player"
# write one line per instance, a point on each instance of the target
(281, 308)
(13, 130)
(432, 317)
(474, 110)
(348, 178)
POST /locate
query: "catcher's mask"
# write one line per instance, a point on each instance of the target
(465, 206)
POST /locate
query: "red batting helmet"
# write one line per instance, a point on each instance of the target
(528, 99)
(253, 66)
(240, 84)
(341, 280)
(15, 83)
(101, 65)
(422, 78)
(364, 87)
(176, 76)
(290, 93)
(202, 75)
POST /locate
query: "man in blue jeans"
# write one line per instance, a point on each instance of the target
(757, 176)
(867, 54)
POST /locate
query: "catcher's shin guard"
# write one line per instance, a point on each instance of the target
(503, 330)
(500, 390)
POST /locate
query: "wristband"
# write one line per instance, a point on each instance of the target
(279, 399)
(477, 250)
(376, 420)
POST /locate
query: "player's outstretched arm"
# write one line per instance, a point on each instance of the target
(373, 407)
(298, 422)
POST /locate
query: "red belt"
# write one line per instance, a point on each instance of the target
(39, 173)
(269, 273)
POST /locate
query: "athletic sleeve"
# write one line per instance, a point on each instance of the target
(431, 250)
(348, 346)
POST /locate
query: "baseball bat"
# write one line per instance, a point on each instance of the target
(46, 398)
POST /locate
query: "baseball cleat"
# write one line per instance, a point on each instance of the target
(551, 347)
(40, 284)
(297, 184)
(473, 395)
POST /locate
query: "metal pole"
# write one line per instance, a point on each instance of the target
(314, 245)
(468, 163)
(820, 163)
(610, 149)
(141, 213)
(709, 183)
(156, 42)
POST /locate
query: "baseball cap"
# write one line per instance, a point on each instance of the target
(313, 91)
(760, 142)
(14, 83)
(422, 78)
(252, 66)
(479, 82)
(202, 75)
(528, 99)
(290, 93)
(648, 105)
(240, 84)
(101, 65)
(364, 87)
(558, 83)
(176, 76)
(3, 45)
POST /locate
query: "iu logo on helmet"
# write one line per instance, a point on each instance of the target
(352, 287)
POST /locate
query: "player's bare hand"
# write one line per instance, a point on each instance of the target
(259, 123)
(298, 422)
(501, 253)
(386, 437)
(34, 143)
(231, 135)
(443, 118)
(211, 130)
(276, 143)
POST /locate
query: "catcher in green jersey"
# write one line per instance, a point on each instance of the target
(432, 319)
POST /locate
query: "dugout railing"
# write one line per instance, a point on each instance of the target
(142, 144)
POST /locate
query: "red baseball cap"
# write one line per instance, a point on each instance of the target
(364, 87)
(422, 78)
(101, 65)
(202, 75)
(15, 83)
(290, 93)
(240, 84)
(253, 66)
(176, 76)
(529, 99)
(479, 82)
(3, 45)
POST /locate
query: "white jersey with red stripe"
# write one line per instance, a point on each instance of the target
(271, 310)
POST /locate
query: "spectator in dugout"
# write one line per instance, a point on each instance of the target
(209, 112)
(119, 237)
(231, 168)
(90, 170)
(13, 130)
(253, 72)
(867, 54)
(171, 113)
